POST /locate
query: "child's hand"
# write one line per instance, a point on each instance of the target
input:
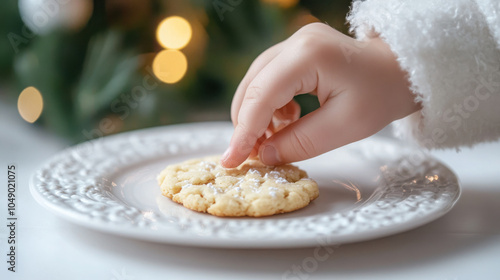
(360, 88)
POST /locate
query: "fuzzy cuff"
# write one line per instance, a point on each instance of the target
(450, 50)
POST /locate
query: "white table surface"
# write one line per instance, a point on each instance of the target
(464, 244)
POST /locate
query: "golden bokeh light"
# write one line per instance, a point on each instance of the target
(174, 32)
(169, 66)
(30, 104)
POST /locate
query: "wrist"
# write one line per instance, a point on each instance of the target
(395, 84)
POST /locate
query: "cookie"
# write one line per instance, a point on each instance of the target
(252, 189)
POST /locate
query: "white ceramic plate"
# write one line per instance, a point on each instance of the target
(368, 189)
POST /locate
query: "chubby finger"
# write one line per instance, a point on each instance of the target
(274, 87)
(257, 65)
(281, 118)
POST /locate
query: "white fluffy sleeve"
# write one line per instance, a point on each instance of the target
(451, 52)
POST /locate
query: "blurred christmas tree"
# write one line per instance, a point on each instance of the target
(108, 66)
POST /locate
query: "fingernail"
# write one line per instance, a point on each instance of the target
(270, 156)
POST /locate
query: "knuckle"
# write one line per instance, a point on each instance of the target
(249, 135)
(315, 26)
(254, 94)
(246, 140)
(312, 44)
(303, 144)
(306, 41)
(244, 148)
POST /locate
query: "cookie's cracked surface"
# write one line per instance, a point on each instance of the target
(252, 189)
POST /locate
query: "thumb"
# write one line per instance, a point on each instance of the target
(329, 127)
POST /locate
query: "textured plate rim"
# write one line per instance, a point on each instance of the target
(129, 230)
